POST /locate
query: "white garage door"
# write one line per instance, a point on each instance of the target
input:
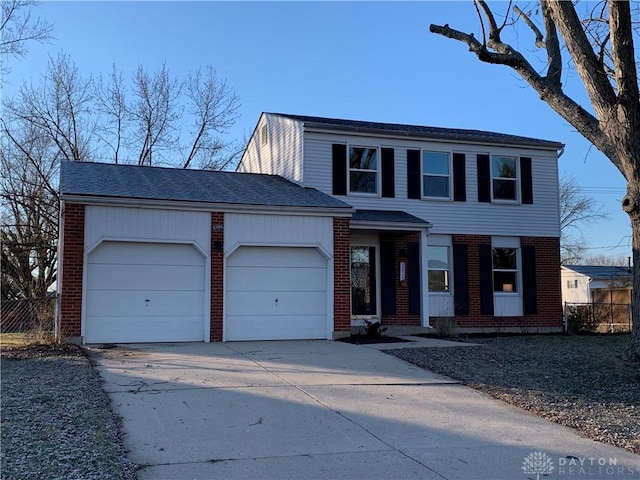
(144, 292)
(276, 293)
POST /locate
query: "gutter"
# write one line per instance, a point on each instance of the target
(209, 206)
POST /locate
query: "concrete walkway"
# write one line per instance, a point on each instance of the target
(327, 410)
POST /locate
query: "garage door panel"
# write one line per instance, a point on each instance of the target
(122, 276)
(145, 329)
(118, 303)
(280, 278)
(260, 327)
(147, 277)
(276, 257)
(131, 253)
(257, 276)
(263, 303)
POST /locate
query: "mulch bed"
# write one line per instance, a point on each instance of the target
(367, 339)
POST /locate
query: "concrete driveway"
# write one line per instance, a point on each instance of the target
(327, 410)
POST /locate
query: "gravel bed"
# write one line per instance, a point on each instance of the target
(57, 422)
(579, 381)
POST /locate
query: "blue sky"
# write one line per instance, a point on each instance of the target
(371, 61)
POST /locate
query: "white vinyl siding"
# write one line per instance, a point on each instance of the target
(275, 148)
(126, 223)
(575, 295)
(471, 217)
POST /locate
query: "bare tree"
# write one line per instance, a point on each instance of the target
(600, 46)
(59, 107)
(214, 109)
(604, 260)
(576, 210)
(66, 116)
(29, 214)
(18, 28)
(154, 113)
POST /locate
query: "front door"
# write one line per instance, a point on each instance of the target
(364, 301)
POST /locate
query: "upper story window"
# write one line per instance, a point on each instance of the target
(438, 266)
(504, 178)
(363, 170)
(436, 175)
(572, 283)
(505, 269)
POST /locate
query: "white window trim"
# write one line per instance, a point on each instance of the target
(505, 201)
(378, 172)
(442, 241)
(450, 175)
(508, 242)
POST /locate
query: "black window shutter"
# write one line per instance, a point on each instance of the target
(388, 173)
(486, 279)
(339, 163)
(526, 180)
(460, 279)
(529, 284)
(484, 178)
(388, 277)
(459, 178)
(413, 271)
(413, 174)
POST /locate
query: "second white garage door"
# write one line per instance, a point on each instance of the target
(276, 293)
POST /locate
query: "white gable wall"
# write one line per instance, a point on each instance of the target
(579, 292)
(470, 217)
(280, 153)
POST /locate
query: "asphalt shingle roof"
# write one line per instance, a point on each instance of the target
(156, 183)
(452, 134)
(601, 272)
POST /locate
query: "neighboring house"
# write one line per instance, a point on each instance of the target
(447, 222)
(327, 223)
(596, 284)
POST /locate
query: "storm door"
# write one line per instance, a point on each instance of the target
(364, 302)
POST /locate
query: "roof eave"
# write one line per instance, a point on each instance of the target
(459, 138)
(397, 226)
(346, 211)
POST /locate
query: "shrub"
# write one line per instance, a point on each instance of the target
(445, 326)
(581, 320)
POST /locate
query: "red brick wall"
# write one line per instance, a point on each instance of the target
(217, 275)
(402, 316)
(342, 275)
(72, 267)
(547, 251)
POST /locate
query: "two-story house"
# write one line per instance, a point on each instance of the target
(447, 222)
(326, 223)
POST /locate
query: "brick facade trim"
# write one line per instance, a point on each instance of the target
(72, 262)
(342, 275)
(217, 277)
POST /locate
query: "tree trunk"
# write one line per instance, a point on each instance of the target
(631, 205)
